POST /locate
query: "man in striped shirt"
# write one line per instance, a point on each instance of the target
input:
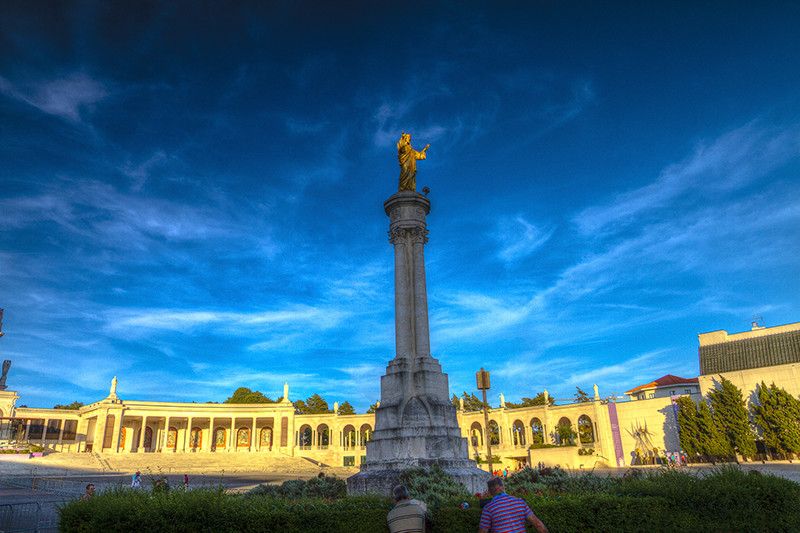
(507, 514)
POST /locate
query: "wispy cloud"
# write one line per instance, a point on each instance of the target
(184, 320)
(69, 97)
(728, 162)
(518, 238)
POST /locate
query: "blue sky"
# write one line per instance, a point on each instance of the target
(192, 195)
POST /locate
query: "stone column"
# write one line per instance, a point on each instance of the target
(117, 430)
(231, 436)
(403, 306)
(165, 435)
(187, 441)
(422, 336)
(140, 446)
(61, 430)
(44, 431)
(210, 440)
(28, 429)
(276, 432)
(253, 444)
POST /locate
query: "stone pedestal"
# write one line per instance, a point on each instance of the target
(415, 425)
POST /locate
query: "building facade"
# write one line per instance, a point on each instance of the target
(599, 432)
(769, 355)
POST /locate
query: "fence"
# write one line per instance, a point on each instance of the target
(32, 517)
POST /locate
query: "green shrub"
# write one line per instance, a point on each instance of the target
(326, 487)
(726, 499)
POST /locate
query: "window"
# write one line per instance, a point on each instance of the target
(363, 459)
(53, 429)
(70, 429)
(687, 391)
(349, 460)
(651, 395)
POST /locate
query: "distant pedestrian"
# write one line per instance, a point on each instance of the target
(89, 494)
(507, 514)
(407, 516)
(505, 472)
(136, 480)
(186, 481)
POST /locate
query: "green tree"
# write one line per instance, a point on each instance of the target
(73, 406)
(245, 395)
(581, 396)
(713, 443)
(531, 402)
(471, 402)
(688, 427)
(777, 413)
(346, 409)
(730, 416)
(313, 405)
(372, 408)
(565, 434)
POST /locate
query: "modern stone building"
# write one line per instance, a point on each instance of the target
(771, 355)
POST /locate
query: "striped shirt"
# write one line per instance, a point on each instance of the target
(408, 516)
(505, 514)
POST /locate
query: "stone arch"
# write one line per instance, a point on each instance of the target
(243, 437)
(304, 436)
(476, 435)
(494, 433)
(265, 438)
(220, 438)
(196, 438)
(172, 437)
(348, 436)
(537, 431)
(365, 434)
(585, 430)
(518, 433)
(564, 434)
(148, 438)
(323, 435)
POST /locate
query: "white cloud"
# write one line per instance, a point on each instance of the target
(730, 161)
(518, 238)
(67, 97)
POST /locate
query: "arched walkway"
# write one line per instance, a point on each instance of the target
(494, 433)
(565, 434)
(348, 437)
(323, 436)
(537, 431)
(365, 434)
(476, 435)
(585, 430)
(518, 433)
(304, 436)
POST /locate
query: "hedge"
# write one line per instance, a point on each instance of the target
(727, 500)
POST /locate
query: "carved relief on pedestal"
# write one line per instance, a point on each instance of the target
(414, 235)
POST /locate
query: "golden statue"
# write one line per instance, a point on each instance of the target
(408, 157)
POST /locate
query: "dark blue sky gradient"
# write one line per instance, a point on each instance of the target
(192, 192)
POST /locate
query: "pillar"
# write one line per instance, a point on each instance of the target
(44, 430)
(402, 300)
(27, 429)
(117, 430)
(140, 446)
(231, 439)
(210, 440)
(187, 441)
(61, 431)
(80, 433)
(421, 334)
(276, 432)
(253, 432)
(165, 435)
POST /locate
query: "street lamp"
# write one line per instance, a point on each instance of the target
(484, 384)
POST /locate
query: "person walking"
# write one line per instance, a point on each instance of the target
(507, 514)
(407, 515)
(136, 480)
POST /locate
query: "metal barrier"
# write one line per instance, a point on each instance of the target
(32, 517)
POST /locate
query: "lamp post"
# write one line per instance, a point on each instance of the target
(484, 383)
